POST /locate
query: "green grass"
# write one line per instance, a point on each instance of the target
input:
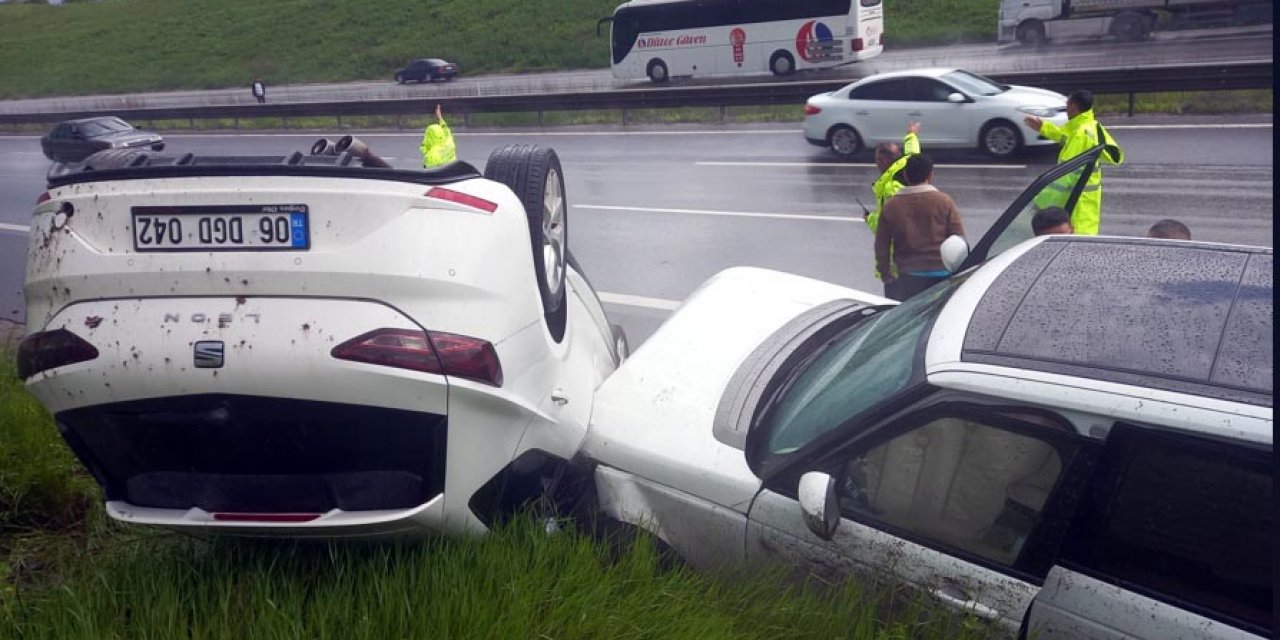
(42, 486)
(68, 572)
(517, 583)
(121, 46)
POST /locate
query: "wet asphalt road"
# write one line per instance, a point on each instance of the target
(656, 212)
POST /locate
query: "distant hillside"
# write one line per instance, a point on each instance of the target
(119, 46)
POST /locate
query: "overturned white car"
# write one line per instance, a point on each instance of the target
(313, 345)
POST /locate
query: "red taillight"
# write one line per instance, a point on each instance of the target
(810, 110)
(462, 198)
(265, 517)
(43, 198)
(429, 352)
(50, 349)
(856, 44)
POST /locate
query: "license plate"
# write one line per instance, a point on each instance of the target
(270, 227)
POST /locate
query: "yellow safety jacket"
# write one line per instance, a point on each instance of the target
(1080, 134)
(888, 184)
(437, 145)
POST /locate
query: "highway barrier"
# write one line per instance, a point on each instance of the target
(1131, 81)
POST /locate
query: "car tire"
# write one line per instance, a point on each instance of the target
(534, 174)
(1031, 33)
(399, 79)
(844, 141)
(159, 146)
(1000, 139)
(657, 71)
(782, 64)
(1130, 27)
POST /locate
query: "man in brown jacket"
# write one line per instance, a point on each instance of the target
(913, 225)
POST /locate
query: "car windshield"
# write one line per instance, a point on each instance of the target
(856, 371)
(973, 84)
(104, 126)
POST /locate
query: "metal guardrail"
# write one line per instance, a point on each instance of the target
(1249, 75)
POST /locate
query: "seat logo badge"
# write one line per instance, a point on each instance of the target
(208, 354)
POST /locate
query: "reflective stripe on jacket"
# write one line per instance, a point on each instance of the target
(437, 145)
(888, 184)
(1080, 134)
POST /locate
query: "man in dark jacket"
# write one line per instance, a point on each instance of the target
(914, 223)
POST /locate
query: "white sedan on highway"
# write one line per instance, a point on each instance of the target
(958, 109)
(1070, 438)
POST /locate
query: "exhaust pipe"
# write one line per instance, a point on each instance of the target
(323, 147)
(359, 149)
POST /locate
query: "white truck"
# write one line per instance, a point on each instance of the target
(1034, 22)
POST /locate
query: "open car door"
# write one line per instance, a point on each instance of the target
(1060, 186)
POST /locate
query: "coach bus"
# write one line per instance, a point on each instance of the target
(658, 39)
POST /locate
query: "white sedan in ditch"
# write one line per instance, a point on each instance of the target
(1070, 438)
(957, 109)
(313, 345)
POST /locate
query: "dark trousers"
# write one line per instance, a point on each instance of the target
(907, 285)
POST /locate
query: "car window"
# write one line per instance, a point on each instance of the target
(103, 127)
(1181, 519)
(61, 131)
(930, 90)
(857, 370)
(893, 89)
(1054, 194)
(961, 482)
(1060, 186)
(973, 84)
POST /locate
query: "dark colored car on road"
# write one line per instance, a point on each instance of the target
(74, 140)
(427, 70)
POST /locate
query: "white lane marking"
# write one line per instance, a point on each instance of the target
(16, 228)
(735, 214)
(638, 301)
(860, 165)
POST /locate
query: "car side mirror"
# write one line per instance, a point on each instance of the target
(954, 250)
(818, 503)
(957, 98)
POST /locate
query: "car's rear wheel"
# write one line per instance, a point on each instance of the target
(1000, 139)
(534, 174)
(399, 79)
(844, 141)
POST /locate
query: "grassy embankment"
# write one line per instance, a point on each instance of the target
(68, 572)
(93, 48)
(121, 46)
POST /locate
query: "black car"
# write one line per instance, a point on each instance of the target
(427, 70)
(74, 140)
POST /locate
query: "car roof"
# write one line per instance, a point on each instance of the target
(925, 72)
(1184, 317)
(93, 119)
